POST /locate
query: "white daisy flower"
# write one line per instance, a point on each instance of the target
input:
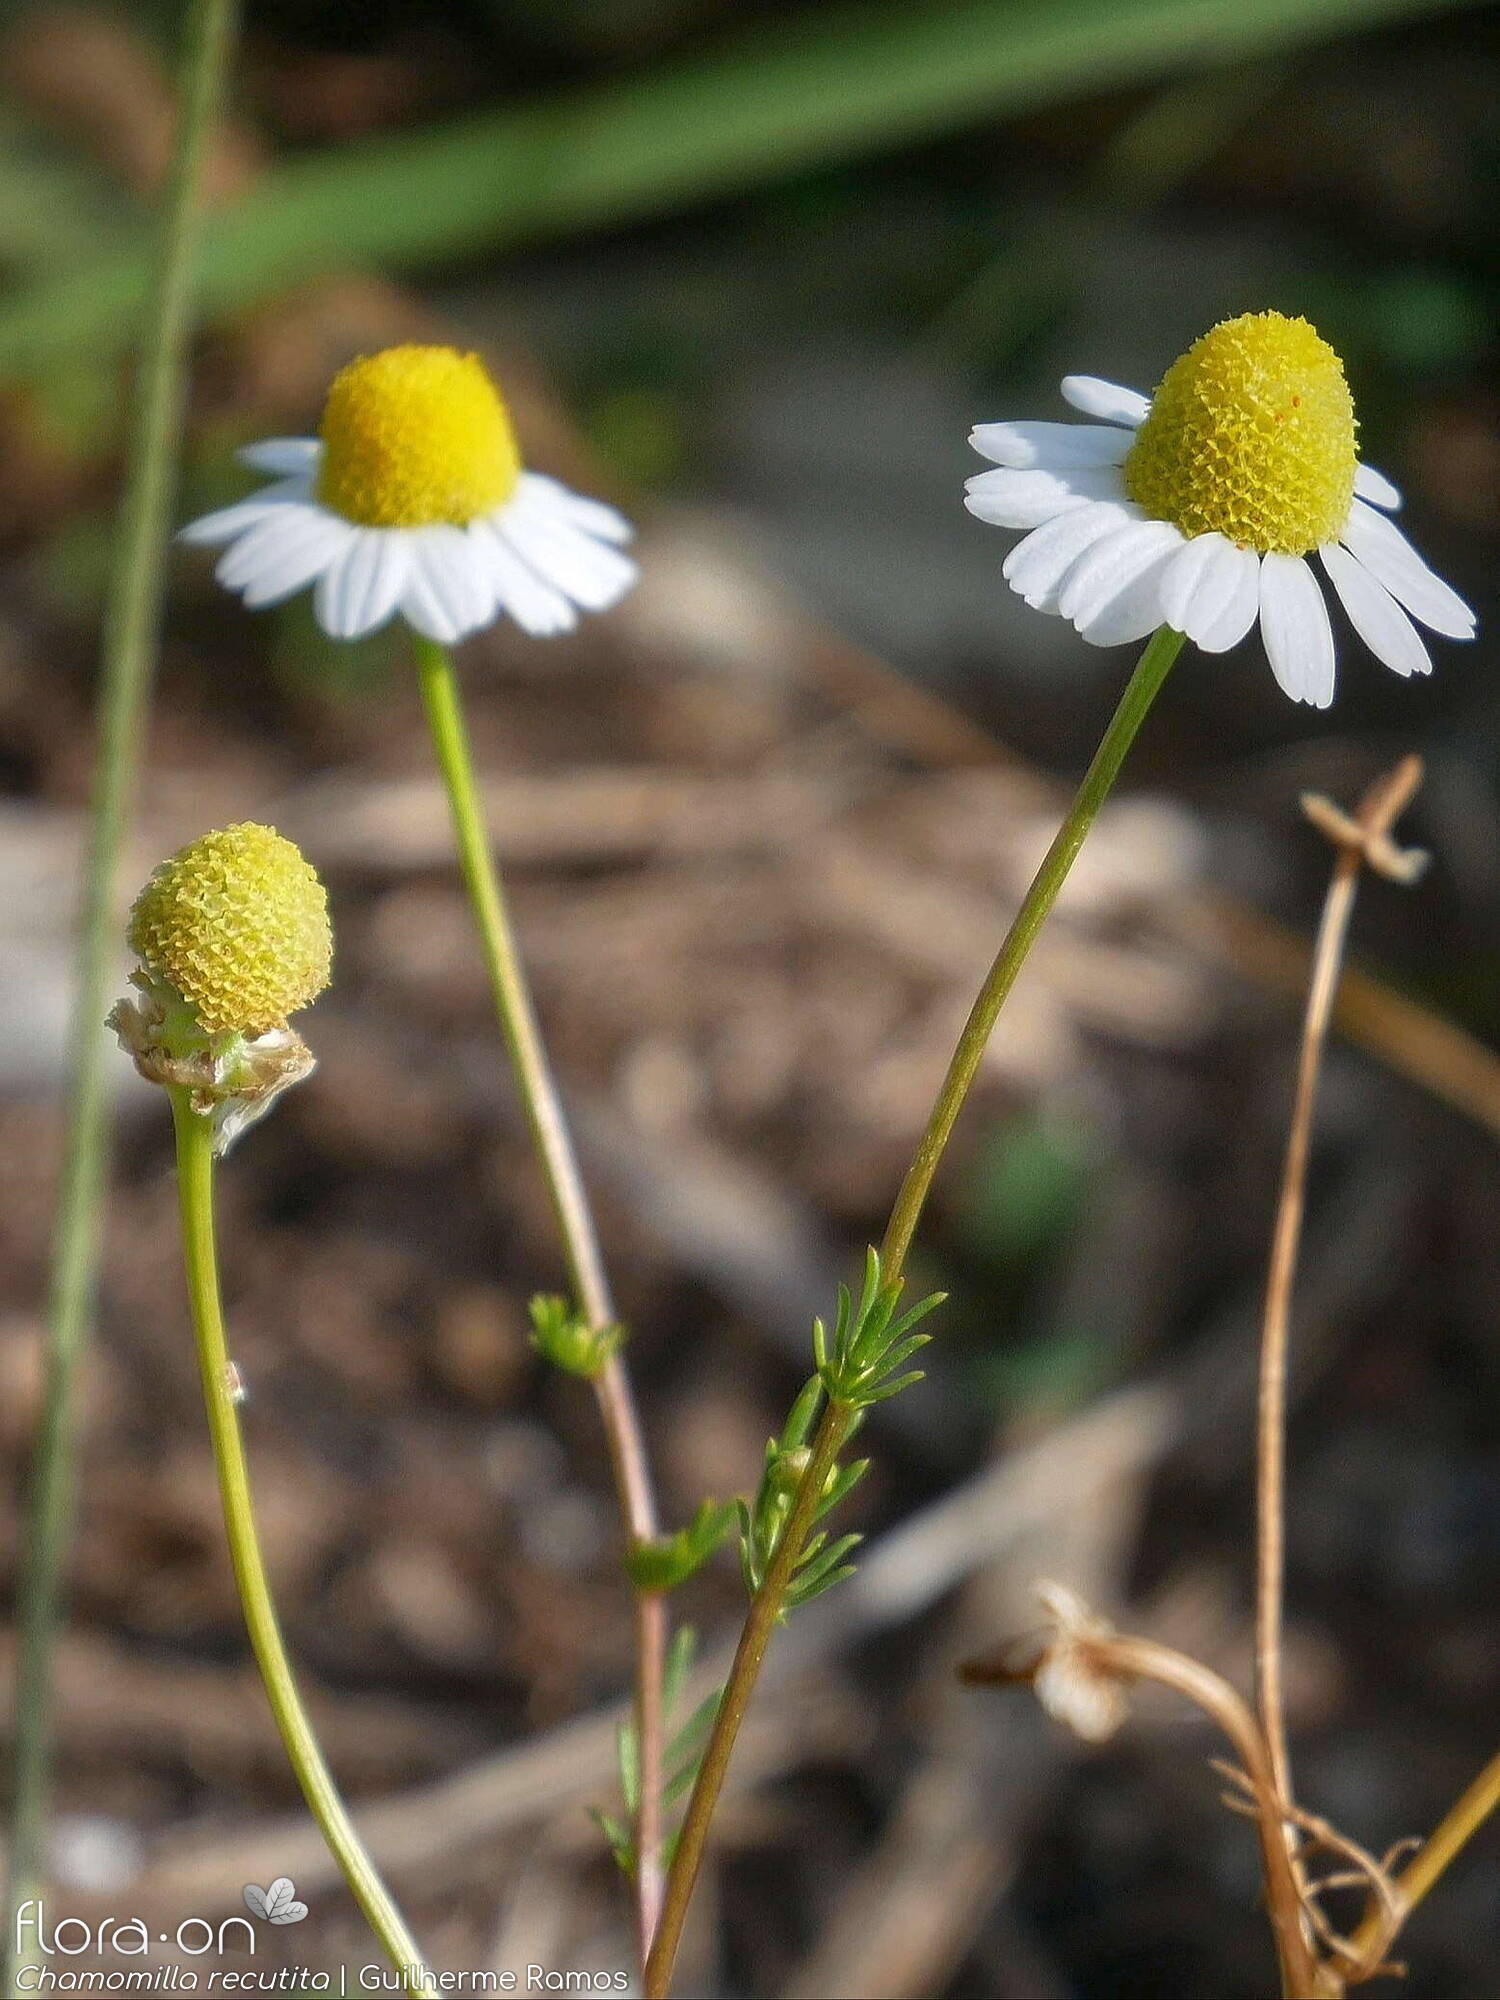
(1202, 507)
(413, 500)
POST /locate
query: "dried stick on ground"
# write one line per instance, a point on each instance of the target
(428, 1826)
(1413, 1041)
(1081, 1675)
(1364, 839)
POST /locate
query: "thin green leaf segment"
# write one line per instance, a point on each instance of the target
(669, 1560)
(685, 1746)
(862, 1361)
(565, 1337)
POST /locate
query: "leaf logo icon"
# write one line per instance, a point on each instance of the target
(276, 1905)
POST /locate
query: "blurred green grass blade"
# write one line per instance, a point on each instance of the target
(130, 638)
(55, 209)
(838, 83)
(1030, 276)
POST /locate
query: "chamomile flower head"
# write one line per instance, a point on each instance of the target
(237, 925)
(232, 936)
(1204, 506)
(413, 500)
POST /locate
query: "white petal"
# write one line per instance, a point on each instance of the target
(1376, 488)
(590, 573)
(1134, 610)
(282, 454)
(345, 587)
(328, 592)
(1390, 558)
(1375, 614)
(1035, 567)
(359, 591)
(1105, 400)
(211, 530)
(283, 555)
(606, 523)
(448, 591)
(534, 604)
(425, 604)
(275, 537)
(471, 584)
(1026, 499)
(1294, 623)
(1111, 565)
(1240, 610)
(387, 579)
(1211, 591)
(1023, 446)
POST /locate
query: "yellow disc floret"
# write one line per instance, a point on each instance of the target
(414, 436)
(1251, 433)
(238, 924)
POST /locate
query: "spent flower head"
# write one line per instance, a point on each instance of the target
(233, 937)
(1201, 507)
(413, 500)
(1071, 1681)
(238, 924)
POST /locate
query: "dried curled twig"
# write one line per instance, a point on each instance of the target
(1082, 1671)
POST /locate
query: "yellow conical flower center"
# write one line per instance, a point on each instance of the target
(414, 436)
(238, 924)
(1251, 433)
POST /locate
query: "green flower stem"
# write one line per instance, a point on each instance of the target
(554, 1149)
(761, 1622)
(195, 1187)
(1155, 663)
(766, 1606)
(1439, 1851)
(132, 618)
